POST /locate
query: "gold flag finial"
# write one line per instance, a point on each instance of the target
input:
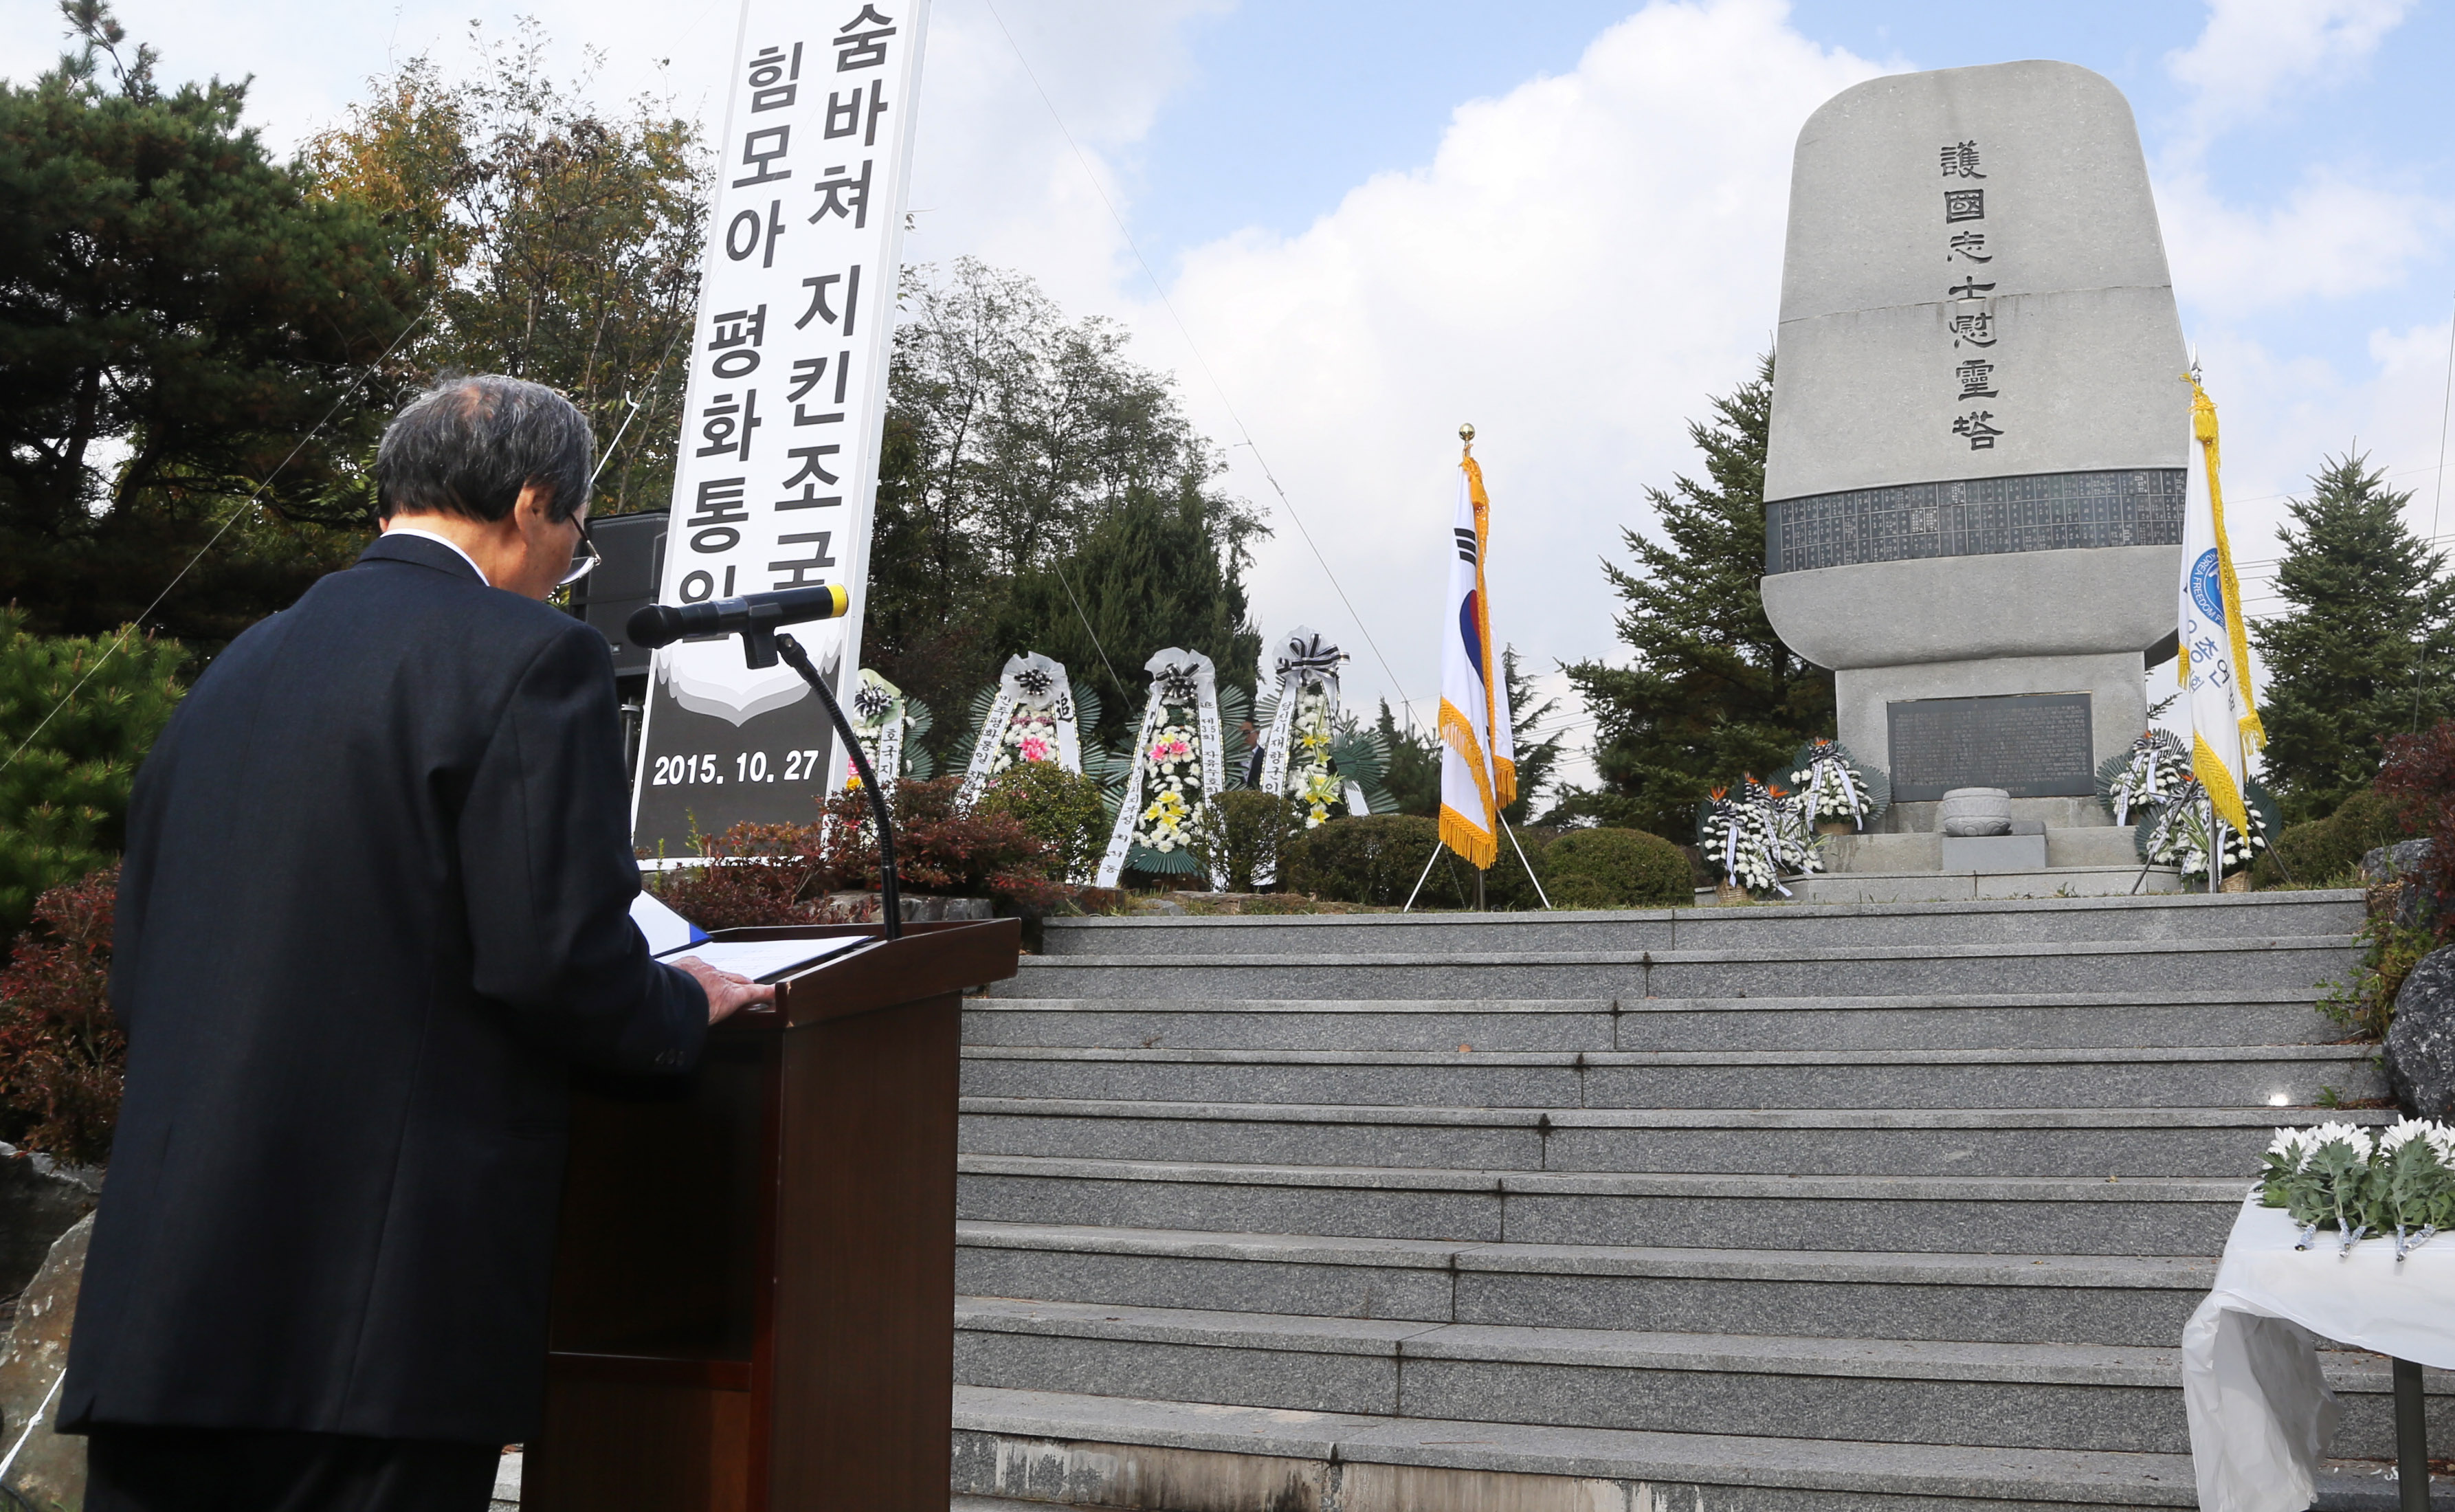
(1466, 435)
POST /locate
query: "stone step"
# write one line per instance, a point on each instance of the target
(1079, 1450)
(2210, 1077)
(1989, 922)
(1813, 1141)
(1021, 1450)
(2153, 1216)
(2009, 1298)
(2057, 883)
(1934, 1021)
(2263, 964)
(2098, 1398)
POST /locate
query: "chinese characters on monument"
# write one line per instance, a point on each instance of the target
(1971, 308)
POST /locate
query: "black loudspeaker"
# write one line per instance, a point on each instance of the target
(634, 549)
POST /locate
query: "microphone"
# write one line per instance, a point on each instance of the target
(654, 625)
(759, 618)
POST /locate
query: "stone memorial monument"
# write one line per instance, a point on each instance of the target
(1974, 487)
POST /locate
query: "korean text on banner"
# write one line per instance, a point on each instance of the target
(777, 470)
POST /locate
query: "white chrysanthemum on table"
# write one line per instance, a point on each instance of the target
(2340, 1133)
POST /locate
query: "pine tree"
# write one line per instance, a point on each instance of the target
(1711, 692)
(1412, 778)
(2364, 652)
(182, 315)
(1014, 438)
(1152, 575)
(1534, 758)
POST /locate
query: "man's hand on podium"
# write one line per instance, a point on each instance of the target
(726, 993)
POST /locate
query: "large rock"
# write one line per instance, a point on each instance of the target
(39, 1200)
(2415, 906)
(2386, 862)
(49, 1472)
(2420, 1044)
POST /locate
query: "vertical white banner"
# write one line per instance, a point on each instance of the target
(777, 471)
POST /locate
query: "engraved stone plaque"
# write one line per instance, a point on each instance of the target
(2030, 745)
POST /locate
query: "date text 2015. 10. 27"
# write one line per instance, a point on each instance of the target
(750, 766)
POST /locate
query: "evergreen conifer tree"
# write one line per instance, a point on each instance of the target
(1154, 573)
(1534, 758)
(2364, 652)
(182, 314)
(1412, 778)
(1711, 692)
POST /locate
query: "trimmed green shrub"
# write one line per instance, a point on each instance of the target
(1615, 869)
(1374, 859)
(63, 797)
(2322, 853)
(1245, 834)
(1062, 810)
(1506, 886)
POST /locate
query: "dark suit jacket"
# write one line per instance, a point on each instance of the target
(374, 909)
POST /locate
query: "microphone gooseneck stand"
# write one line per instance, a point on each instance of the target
(764, 647)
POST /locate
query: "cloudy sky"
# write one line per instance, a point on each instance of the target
(1562, 221)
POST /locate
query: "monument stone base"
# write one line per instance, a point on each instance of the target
(2036, 726)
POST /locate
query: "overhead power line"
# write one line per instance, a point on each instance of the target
(210, 541)
(1200, 361)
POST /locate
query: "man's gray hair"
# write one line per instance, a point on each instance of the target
(468, 446)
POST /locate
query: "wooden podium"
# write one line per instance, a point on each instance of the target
(753, 1289)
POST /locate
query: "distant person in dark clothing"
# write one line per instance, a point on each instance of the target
(373, 910)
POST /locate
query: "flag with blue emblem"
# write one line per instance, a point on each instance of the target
(1478, 755)
(2213, 664)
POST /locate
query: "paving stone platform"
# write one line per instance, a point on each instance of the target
(1796, 1209)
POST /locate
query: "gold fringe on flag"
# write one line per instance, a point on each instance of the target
(2203, 428)
(1504, 775)
(1479, 846)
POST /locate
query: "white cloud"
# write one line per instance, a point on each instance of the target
(2326, 238)
(1585, 259)
(2285, 414)
(2252, 51)
(994, 176)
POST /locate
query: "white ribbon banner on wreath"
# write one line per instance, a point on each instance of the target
(1031, 683)
(1832, 769)
(878, 713)
(1179, 678)
(1304, 658)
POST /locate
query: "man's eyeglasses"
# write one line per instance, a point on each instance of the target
(585, 557)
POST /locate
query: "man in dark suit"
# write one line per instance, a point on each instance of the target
(374, 908)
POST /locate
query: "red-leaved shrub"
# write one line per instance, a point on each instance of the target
(2420, 776)
(61, 1052)
(782, 874)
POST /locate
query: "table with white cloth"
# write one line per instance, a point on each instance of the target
(2261, 1413)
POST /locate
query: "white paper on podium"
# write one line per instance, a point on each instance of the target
(762, 959)
(663, 929)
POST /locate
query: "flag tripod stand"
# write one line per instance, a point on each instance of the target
(1479, 874)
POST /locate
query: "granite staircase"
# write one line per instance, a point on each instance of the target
(1782, 1208)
